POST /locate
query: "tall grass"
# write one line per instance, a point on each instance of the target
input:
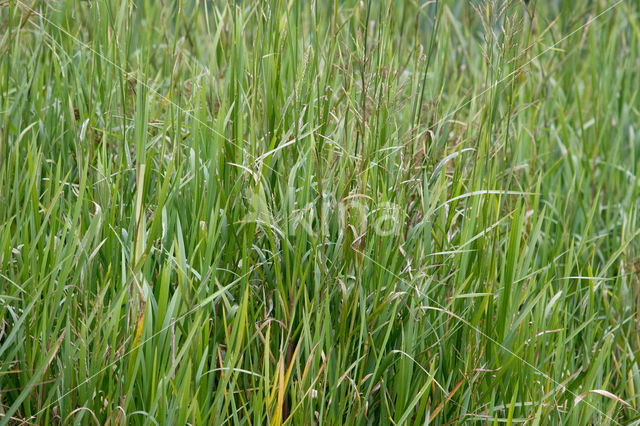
(319, 212)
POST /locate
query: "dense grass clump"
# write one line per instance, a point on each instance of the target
(319, 212)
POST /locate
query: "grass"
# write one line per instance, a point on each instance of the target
(320, 212)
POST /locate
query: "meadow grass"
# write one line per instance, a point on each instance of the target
(319, 212)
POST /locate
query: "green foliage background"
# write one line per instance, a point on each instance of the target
(192, 197)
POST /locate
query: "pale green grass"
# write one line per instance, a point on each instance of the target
(319, 212)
